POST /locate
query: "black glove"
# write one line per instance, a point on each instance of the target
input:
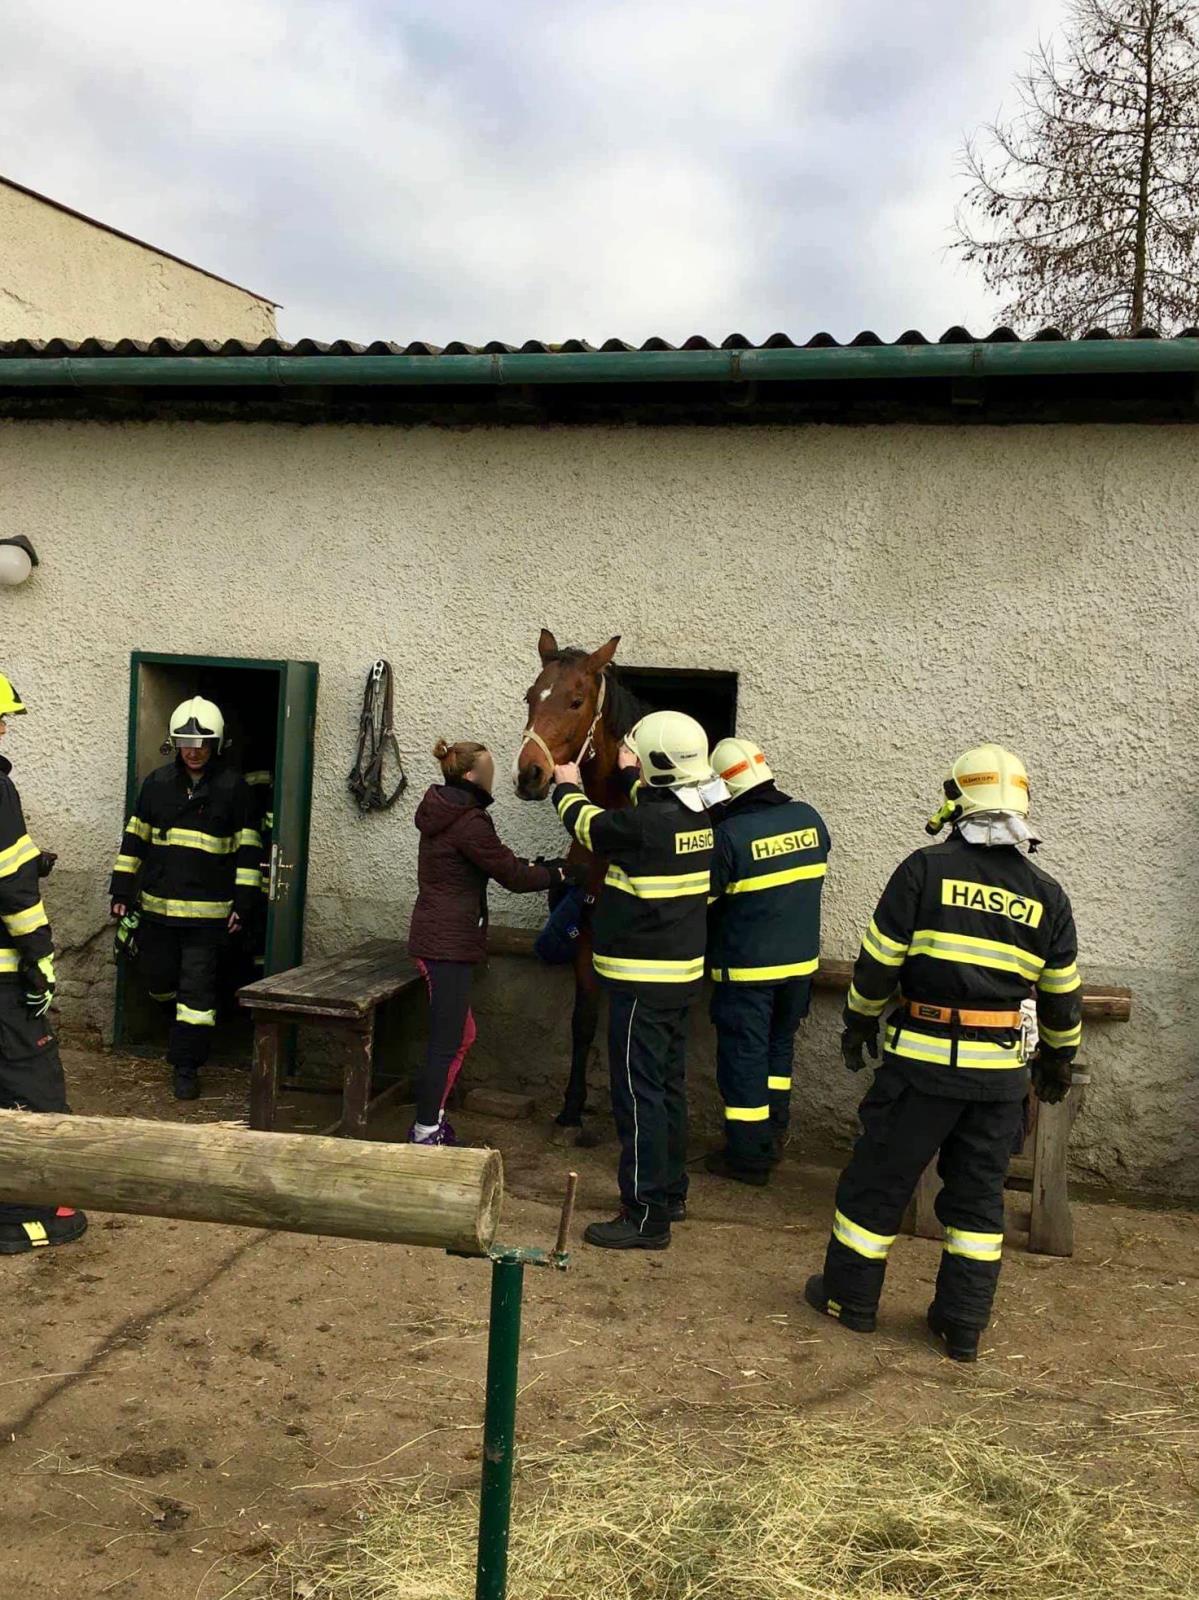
(45, 863)
(39, 982)
(856, 1038)
(576, 873)
(1052, 1075)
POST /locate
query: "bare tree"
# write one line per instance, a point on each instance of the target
(1083, 210)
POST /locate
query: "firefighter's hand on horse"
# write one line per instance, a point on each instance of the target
(626, 758)
(568, 772)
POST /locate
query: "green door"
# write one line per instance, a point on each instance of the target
(293, 809)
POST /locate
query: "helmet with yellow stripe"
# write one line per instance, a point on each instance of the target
(10, 700)
(741, 764)
(987, 778)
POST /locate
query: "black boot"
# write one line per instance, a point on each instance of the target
(961, 1343)
(40, 1228)
(718, 1164)
(677, 1211)
(185, 1083)
(816, 1296)
(623, 1233)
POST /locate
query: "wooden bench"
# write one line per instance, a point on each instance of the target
(342, 995)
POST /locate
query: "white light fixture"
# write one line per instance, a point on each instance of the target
(17, 560)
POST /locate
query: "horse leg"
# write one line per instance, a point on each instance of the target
(584, 1021)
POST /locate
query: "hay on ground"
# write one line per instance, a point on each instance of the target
(772, 1507)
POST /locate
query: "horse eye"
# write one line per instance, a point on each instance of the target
(576, 705)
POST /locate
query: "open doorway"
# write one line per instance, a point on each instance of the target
(270, 712)
(708, 696)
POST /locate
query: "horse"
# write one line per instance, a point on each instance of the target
(578, 711)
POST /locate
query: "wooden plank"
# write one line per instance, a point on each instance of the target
(1051, 1224)
(300, 1183)
(350, 984)
(359, 1069)
(264, 1075)
(922, 1212)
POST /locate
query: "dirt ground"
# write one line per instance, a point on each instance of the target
(178, 1400)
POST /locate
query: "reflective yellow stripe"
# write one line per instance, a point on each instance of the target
(977, 1053)
(574, 798)
(130, 864)
(975, 1246)
(249, 836)
(677, 887)
(774, 880)
(196, 909)
(198, 1019)
(645, 970)
(747, 1113)
(797, 969)
(255, 778)
(213, 844)
(1059, 980)
(36, 1233)
(10, 961)
(882, 947)
(1061, 1038)
(138, 828)
(976, 952)
(15, 857)
(248, 878)
(873, 1246)
(778, 1084)
(27, 921)
(580, 822)
(864, 1007)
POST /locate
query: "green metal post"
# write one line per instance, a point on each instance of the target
(499, 1429)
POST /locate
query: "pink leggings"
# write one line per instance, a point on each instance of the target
(451, 1033)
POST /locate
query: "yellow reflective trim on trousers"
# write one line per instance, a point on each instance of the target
(10, 961)
(778, 1085)
(646, 970)
(974, 1246)
(196, 1019)
(1059, 980)
(747, 1113)
(213, 844)
(249, 836)
(130, 864)
(30, 920)
(248, 878)
(874, 1246)
(796, 969)
(17, 855)
(676, 887)
(978, 1053)
(1061, 1038)
(139, 829)
(882, 947)
(775, 880)
(195, 909)
(865, 1008)
(974, 952)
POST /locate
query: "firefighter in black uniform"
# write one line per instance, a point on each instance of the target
(965, 930)
(763, 947)
(648, 934)
(31, 1076)
(191, 853)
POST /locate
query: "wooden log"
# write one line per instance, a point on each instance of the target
(1051, 1225)
(298, 1183)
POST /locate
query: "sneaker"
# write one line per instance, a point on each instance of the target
(185, 1083)
(961, 1343)
(718, 1164)
(856, 1321)
(622, 1233)
(677, 1211)
(43, 1228)
(443, 1134)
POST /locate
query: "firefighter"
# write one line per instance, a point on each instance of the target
(191, 853)
(763, 947)
(648, 933)
(31, 1075)
(965, 930)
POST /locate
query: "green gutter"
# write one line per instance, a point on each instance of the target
(867, 362)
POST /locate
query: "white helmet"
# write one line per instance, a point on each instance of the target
(197, 721)
(987, 778)
(741, 764)
(672, 749)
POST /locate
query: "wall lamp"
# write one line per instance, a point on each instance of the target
(17, 560)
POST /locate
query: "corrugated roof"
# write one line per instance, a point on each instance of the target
(56, 349)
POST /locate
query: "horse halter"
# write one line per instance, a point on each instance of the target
(586, 749)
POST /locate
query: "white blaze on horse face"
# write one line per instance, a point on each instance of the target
(545, 694)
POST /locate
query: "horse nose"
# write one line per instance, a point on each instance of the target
(532, 778)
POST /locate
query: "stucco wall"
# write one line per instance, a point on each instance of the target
(62, 277)
(887, 595)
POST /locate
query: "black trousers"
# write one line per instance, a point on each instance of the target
(451, 1033)
(31, 1076)
(647, 1063)
(179, 966)
(902, 1129)
(755, 1048)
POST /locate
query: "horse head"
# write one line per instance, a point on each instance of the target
(566, 705)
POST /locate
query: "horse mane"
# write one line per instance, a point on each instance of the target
(622, 708)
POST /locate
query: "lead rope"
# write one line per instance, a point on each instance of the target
(376, 732)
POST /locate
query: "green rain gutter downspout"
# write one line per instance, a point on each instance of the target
(878, 362)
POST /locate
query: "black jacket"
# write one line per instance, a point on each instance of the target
(767, 874)
(650, 923)
(191, 855)
(974, 927)
(25, 935)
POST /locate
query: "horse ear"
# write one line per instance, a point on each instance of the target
(547, 646)
(601, 658)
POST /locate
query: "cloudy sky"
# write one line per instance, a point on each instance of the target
(510, 169)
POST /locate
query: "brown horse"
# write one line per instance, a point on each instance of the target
(578, 711)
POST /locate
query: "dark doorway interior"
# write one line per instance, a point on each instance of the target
(708, 696)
